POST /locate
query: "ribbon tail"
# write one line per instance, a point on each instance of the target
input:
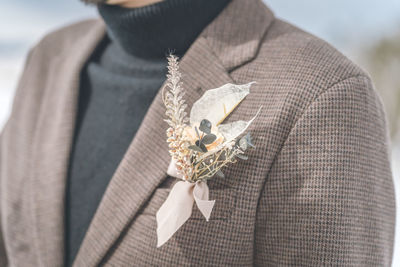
(175, 211)
(201, 194)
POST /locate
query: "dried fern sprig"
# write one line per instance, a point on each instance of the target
(177, 119)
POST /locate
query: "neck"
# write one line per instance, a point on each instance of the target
(155, 30)
(132, 3)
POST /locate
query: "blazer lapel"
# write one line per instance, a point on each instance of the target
(51, 147)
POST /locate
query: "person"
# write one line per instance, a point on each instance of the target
(84, 153)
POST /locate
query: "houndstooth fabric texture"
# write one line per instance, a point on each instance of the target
(316, 191)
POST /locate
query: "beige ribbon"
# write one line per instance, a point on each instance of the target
(177, 208)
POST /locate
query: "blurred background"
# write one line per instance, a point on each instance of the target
(367, 31)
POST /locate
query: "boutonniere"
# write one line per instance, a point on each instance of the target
(200, 146)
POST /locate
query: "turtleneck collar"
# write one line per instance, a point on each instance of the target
(155, 30)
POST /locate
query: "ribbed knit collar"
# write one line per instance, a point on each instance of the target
(155, 30)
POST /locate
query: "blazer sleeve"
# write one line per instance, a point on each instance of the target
(3, 153)
(3, 255)
(328, 199)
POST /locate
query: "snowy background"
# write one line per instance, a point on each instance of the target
(367, 31)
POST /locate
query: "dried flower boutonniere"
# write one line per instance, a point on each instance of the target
(200, 146)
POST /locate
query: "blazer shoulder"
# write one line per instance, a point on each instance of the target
(64, 37)
(294, 68)
(38, 67)
(301, 55)
(60, 42)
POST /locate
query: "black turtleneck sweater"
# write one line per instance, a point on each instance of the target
(117, 86)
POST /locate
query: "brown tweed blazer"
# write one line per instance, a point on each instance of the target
(317, 190)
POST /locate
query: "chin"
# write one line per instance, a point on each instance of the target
(93, 2)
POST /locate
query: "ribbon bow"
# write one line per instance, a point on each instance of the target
(177, 208)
